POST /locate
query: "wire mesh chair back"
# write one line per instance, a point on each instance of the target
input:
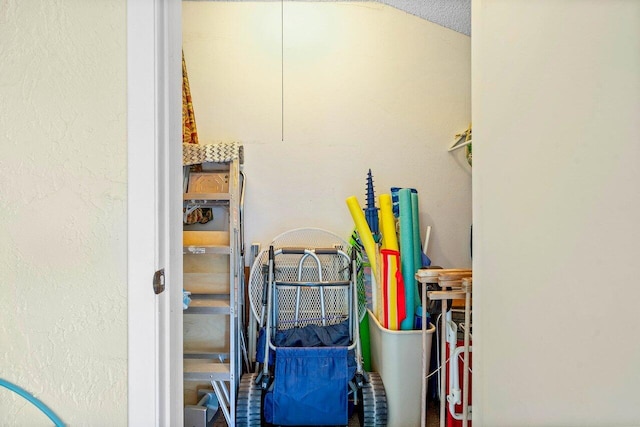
(289, 268)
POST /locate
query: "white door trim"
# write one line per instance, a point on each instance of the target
(154, 78)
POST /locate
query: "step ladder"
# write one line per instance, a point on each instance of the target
(213, 273)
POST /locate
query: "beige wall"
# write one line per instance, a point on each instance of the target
(63, 325)
(556, 102)
(365, 86)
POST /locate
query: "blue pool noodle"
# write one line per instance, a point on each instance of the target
(394, 200)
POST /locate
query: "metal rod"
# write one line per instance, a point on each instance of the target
(298, 291)
(265, 368)
(423, 402)
(355, 314)
(443, 358)
(297, 311)
(223, 401)
(465, 386)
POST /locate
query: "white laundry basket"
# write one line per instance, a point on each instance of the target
(397, 356)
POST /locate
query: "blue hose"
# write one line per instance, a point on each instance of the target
(37, 403)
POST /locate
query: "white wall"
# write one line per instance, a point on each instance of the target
(63, 328)
(365, 86)
(556, 101)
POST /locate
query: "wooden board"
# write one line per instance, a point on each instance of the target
(206, 333)
(206, 263)
(206, 283)
(205, 238)
(206, 273)
(208, 182)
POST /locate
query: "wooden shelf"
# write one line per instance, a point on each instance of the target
(198, 250)
(203, 197)
(206, 283)
(208, 306)
(193, 354)
(205, 238)
(205, 370)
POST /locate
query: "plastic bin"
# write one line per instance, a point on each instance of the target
(397, 357)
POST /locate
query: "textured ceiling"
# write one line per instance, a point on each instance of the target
(453, 14)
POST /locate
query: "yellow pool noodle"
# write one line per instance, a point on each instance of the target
(363, 231)
(387, 223)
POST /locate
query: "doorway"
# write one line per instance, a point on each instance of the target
(384, 114)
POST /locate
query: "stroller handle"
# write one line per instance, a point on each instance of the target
(302, 251)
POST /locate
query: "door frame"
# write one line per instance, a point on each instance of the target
(154, 237)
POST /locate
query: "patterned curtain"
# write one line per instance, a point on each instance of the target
(189, 130)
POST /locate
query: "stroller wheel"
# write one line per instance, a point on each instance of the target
(249, 407)
(372, 411)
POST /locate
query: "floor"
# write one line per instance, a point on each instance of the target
(433, 417)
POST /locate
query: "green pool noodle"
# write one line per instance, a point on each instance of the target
(365, 343)
(417, 253)
(365, 340)
(406, 256)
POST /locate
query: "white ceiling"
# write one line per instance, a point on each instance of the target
(453, 14)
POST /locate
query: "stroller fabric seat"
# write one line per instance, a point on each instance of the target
(310, 387)
(314, 336)
(308, 336)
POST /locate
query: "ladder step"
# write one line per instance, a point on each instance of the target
(214, 197)
(206, 249)
(208, 306)
(206, 283)
(198, 354)
(206, 370)
(204, 238)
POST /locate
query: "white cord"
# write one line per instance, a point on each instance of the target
(438, 352)
(437, 370)
(462, 360)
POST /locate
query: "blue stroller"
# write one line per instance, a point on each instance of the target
(310, 365)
